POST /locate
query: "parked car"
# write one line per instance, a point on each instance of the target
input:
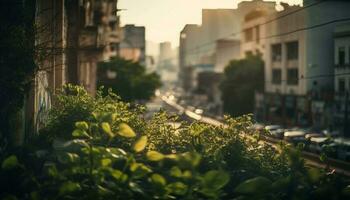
(314, 135)
(317, 144)
(270, 128)
(342, 148)
(278, 133)
(295, 136)
(330, 133)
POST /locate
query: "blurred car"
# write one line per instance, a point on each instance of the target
(295, 136)
(342, 148)
(199, 111)
(270, 128)
(314, 135)
(330, 133)
(317, 144)
(278, 133)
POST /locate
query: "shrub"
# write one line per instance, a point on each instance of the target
(110, 152)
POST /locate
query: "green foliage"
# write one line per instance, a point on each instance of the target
(131, 81)
(112, 153)
(17, 65)
(241, 79)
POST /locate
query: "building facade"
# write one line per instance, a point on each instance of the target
(72, 37)
(133, 43)
(342, 77)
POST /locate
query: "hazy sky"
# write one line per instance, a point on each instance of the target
(164, 19)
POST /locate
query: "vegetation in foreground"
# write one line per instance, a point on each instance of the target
(102, 148)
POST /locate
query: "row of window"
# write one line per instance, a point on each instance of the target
(292, 51)
(292, 76)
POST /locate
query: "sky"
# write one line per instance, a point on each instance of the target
(164, 19)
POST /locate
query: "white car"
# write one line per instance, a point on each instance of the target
(270, 129)
(295, 136)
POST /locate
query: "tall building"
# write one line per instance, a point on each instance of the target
(167, 64)
(342, 77)
(133, 44)
(72, 37)
(300, 63)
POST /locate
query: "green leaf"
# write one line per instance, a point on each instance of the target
(118, 175)
(107, 129)
(215, 179)
(154, 156)
(189, 160)
(253, 186)
(106, 162)
(176, 172)
(158, 179)
(68, 157)
(82, 125)
(10, 163)
(140, 144)
(126, 131)
(80, 133)
(69, 187)
(139, 170)
(178, 188)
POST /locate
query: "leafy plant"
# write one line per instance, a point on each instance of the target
(111, 152)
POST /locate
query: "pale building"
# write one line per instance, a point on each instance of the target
(253, 14)
(226, 51)
(299, 59)
(342, 75)
(285, 61)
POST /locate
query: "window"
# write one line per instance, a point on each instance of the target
(341, 55)
(292, 50)
(292, 76)
(276, 52)
(257, 31)
(276, 76)
(248, 35)
(341, 85)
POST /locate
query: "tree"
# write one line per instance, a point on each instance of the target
(17, 66)
(241, 79)
(128, 79)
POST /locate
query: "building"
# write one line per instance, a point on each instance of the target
(253, 33)
(189, 39)
(300, 63)
(98, 38)
(167, 64)
(72, 37)
(342, 76)
(226, 50)
(284, 58)
(133, 43)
